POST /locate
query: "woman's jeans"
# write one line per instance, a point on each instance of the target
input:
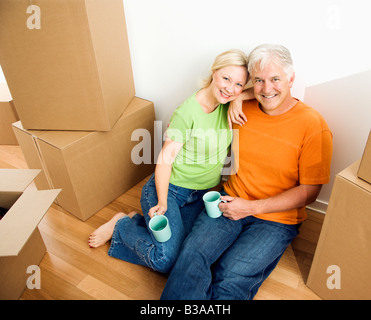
(132, 239)
(224, 259)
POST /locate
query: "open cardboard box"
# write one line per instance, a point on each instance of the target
(21, 244)
(67, 63)
(342, 261)
(91, 168)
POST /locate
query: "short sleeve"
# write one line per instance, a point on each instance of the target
(181, 124)
(315, 158)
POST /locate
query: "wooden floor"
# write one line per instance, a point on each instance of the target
(71, 270)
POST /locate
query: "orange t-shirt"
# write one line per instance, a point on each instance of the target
(276, 153)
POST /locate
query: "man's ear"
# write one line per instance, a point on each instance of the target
(291, 81)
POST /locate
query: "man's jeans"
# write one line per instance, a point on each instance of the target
(133, 241)
(224, 259)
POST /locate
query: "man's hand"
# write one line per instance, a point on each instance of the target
(236, 208)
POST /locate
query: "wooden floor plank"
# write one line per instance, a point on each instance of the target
(99, 290)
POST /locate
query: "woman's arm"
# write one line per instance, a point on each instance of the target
(164, 164)
(235, 113)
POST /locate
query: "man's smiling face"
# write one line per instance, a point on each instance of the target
(272, 88)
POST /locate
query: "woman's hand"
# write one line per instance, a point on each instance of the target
(159, 209)
(235, 114)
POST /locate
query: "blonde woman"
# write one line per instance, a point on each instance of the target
(189, 164)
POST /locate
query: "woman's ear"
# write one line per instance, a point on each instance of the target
(212, 76)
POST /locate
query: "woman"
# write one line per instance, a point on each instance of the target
(189, 164)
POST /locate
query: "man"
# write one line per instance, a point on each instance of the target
(284, 153)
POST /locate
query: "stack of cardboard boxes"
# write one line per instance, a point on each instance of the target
(342, 261)
(68, 68)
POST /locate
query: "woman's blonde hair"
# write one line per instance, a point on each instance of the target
(234, 57)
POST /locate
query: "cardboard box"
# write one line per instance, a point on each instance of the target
(21, 244)
(67, 63)
(8, 115)
(91, 168)
(364, 171)
(342, 261)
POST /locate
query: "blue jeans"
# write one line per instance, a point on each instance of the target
(133, 241)
(222, 259)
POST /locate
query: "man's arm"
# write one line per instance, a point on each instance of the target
(297, 197)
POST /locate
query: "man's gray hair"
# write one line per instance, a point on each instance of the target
(268, 53)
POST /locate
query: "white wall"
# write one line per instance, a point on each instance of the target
(2, 78)
(174, 42)
(346, 104)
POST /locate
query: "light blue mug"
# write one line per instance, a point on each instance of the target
(159, 225)
(212, 200)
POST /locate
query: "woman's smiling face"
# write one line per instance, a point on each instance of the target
(228, 83)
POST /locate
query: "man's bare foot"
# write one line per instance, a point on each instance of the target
(104, 233)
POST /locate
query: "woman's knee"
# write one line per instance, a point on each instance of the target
(155, 256)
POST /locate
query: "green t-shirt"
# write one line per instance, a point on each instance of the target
(206, 138)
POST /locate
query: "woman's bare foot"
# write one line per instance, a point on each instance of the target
(104, 233)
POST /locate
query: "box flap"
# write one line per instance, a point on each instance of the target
(16, 180)
(22, 219)
(350, 174)
(59, 139)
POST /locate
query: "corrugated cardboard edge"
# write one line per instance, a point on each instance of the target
(366, 158)
(350, 174)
